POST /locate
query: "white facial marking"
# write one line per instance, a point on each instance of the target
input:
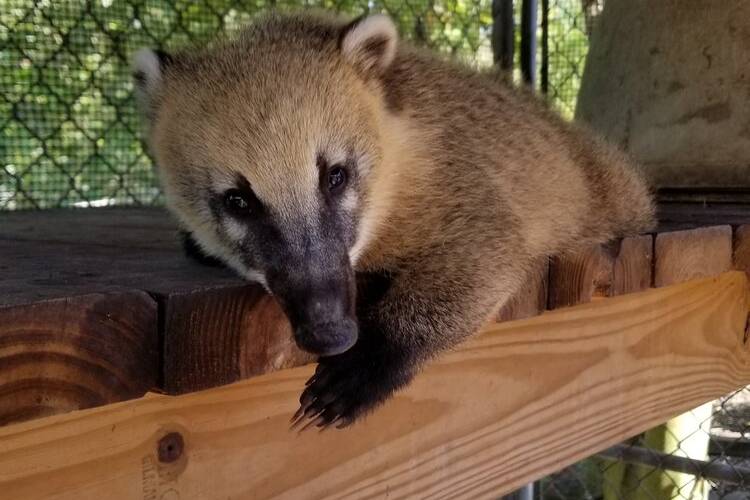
(222, 181)
(364, 237)
(257, 277)
(349, 201)
(235, 230)
(335, 156)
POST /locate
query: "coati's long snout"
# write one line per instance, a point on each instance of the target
(319, 301)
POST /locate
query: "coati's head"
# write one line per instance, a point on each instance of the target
(267, 146)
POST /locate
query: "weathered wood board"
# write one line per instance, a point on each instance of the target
(532, 299)
(566, 384)
(601, 271)
(66, 354)
(205, 327)
(691, 254)
(214, 337)
(213, 329)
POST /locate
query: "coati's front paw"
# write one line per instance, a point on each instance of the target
(347, 386)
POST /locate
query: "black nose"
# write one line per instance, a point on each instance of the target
(320, 302)
(327, 338)
(323, 318)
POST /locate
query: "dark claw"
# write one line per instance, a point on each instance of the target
(298, 420)
(318, 370)
(312, 422)
(311, 412)
(306, 399)
(305, 410)
(329, 416)
(297, 414)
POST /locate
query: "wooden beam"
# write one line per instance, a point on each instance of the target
(601, 271)
(678, 257)
(218, 336)
(66, 253)
(692, 254)
(532, 299)
(214, 328)
(516, 403)
(67, 354)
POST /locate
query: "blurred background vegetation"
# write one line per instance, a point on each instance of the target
(69, 132)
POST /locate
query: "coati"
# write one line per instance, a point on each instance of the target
(392, 200)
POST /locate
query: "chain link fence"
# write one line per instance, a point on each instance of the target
(69, 137)
(69, 130)
(568, 24)
(702, 455)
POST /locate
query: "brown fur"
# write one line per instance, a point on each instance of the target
(466, 182)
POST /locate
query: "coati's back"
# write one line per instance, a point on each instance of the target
(562, 185)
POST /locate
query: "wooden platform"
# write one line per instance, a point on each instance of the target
(99, 306)
(522, 400)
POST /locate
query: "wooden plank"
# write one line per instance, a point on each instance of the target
(214, 329)
(681, 256)
(741, 249)
(532, 299)
(214, 337)
(633, 267)
(67, 354)
(579, 277)
(522, 400)
(600, 271)
(120, 249)
(692, 254)
(96, 251)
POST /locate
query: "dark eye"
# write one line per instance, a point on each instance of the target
(237, 202)
(336, 179)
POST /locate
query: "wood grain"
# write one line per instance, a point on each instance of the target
(214, 337)
(692, 254)
(532, 299)
(66, 253)
(600, 271)
(633, 266)
(522, 400)
(67, 354)
(213, 328)
(681, 256)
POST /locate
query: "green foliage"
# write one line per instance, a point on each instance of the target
(69, 133)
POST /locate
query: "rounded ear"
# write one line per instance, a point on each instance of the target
(148, 72)
(369, 44)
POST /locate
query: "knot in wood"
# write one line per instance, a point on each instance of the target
(170, 447)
